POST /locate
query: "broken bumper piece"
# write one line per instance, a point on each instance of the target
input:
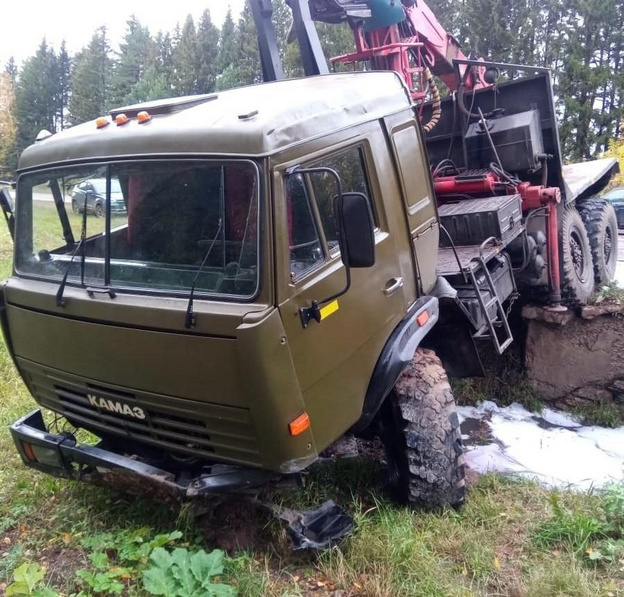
(60, 455)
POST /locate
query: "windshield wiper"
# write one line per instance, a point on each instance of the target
(60, 301)
(189, 321)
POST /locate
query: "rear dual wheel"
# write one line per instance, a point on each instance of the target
(602, 230)
(577, 268)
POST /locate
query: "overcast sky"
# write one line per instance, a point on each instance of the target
(26, 22)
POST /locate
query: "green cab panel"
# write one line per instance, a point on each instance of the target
(222, 398)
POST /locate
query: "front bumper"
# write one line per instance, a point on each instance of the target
(61, 456)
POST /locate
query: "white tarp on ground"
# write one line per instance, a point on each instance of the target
(552, 447)
(619, 272)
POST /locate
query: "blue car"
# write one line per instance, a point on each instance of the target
(94, 190)
(616, 197)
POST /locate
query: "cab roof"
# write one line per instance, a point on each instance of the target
(251, 121)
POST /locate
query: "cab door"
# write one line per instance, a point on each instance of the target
(334, 359)
(418, 196)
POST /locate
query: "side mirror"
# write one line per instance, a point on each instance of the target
(357, 239)
(6, 203)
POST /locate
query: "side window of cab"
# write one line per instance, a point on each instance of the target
(310, 208)
(304, 241)
(350, 166)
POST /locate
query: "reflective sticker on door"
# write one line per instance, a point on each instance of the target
(329, 310)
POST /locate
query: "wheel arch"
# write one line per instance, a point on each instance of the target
(396, 355)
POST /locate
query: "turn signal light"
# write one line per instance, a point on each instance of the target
(30, 453)
(423, 318)
(121, 119)
(143, 117)
(299, 425)
(102, 122)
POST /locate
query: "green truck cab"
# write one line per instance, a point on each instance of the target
(270, 278)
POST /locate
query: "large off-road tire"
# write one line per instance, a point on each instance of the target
(602, 229)
(422, 438)
(577, 267)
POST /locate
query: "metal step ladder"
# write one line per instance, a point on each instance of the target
(495, 328)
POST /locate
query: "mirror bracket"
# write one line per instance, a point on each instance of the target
(308, 313)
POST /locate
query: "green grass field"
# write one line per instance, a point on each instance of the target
(512, 538)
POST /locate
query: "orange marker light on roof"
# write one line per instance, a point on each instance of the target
(121, 119)
(423, 318)
(101, 122)
(143, 117)
(299, 425)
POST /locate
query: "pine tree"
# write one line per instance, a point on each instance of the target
(11, 70)
(90, 80)
(208, 47)
(135, 56)
(226, 57)
(186, 60)
(35, 96)
(248, 54)
(152, 86)
(64, 86)
(164, 59)
(242, 52)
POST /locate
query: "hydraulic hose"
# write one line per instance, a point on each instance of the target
(436, 103)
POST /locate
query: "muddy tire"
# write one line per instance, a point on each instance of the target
(602, 229)
(422, 439)
(577, 267)
(98, 210)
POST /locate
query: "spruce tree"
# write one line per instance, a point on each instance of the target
(186, 60)
(135, 56)
(90, 80)
(226, 57)
(208, 48)
(35, 96)
(64, 86)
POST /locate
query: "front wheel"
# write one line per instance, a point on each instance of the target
(98, 210)
(602, 229)
(422, 437)
(75, 207)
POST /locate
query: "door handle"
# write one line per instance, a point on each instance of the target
(393, 285)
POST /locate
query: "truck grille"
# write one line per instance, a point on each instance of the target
(210, 431)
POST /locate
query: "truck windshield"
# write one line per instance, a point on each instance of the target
(149, 225)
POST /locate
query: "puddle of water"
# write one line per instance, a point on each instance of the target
(551, 447)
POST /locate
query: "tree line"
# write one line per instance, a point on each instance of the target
(582, 41)
(53, 90)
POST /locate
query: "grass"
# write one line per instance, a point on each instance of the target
(611, 293)
(512, 538)
(604, 414)
(504, 381)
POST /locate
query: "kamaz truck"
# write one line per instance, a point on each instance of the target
(275, 266)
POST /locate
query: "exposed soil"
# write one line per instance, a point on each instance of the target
(234, 524)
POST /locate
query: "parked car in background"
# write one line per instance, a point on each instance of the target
(94, 189)
(616, 197)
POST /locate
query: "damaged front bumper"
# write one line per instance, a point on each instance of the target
(61, 456)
